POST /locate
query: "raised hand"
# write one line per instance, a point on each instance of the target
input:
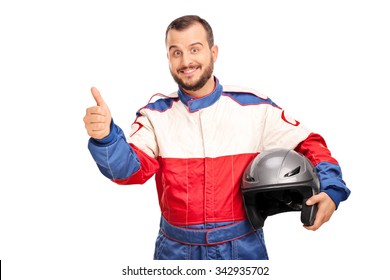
(98, 118)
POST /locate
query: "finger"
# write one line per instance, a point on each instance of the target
(97, 127)
(97, 96)
(95, 119)
(317, 222)
(311, 201)
(313, 227)
(314, 199)
(96, 110)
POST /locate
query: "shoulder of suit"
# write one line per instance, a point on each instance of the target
(243, 90)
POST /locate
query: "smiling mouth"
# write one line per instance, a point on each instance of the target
(189, 70)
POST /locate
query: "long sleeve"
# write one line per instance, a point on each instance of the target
(327, 167)
(119, 161)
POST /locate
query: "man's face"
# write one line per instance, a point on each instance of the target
(191, 61)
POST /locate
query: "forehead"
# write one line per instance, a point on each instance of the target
(182, 38)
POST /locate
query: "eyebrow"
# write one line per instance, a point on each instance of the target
(193, 44)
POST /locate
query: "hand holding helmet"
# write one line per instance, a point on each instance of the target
(326, 208)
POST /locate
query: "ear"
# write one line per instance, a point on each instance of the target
(214, 52)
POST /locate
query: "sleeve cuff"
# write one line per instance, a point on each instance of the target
(109, 139)
(334, 194)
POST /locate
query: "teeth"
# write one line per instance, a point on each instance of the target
(189, 70)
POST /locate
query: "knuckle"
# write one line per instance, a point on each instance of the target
(90, 110)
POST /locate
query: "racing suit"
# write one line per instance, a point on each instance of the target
(198, 150)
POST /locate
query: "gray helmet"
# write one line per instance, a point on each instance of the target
(277, 181)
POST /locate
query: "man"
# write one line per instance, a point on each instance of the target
(197, 142)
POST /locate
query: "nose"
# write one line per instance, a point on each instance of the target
(186, 59)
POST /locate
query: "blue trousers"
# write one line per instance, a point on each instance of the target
(215, 241)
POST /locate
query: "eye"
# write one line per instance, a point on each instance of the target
(194, 50)
(177, 53)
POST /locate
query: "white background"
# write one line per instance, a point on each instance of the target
(324, 62)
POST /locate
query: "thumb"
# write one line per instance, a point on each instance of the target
(313, 200)
(98, 98)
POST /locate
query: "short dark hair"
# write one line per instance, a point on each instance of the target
(184, 22)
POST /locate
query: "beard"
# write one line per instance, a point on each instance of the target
(196, 85)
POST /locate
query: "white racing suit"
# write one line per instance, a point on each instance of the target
(198, 150)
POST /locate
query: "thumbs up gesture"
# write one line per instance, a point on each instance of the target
(98, 118)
